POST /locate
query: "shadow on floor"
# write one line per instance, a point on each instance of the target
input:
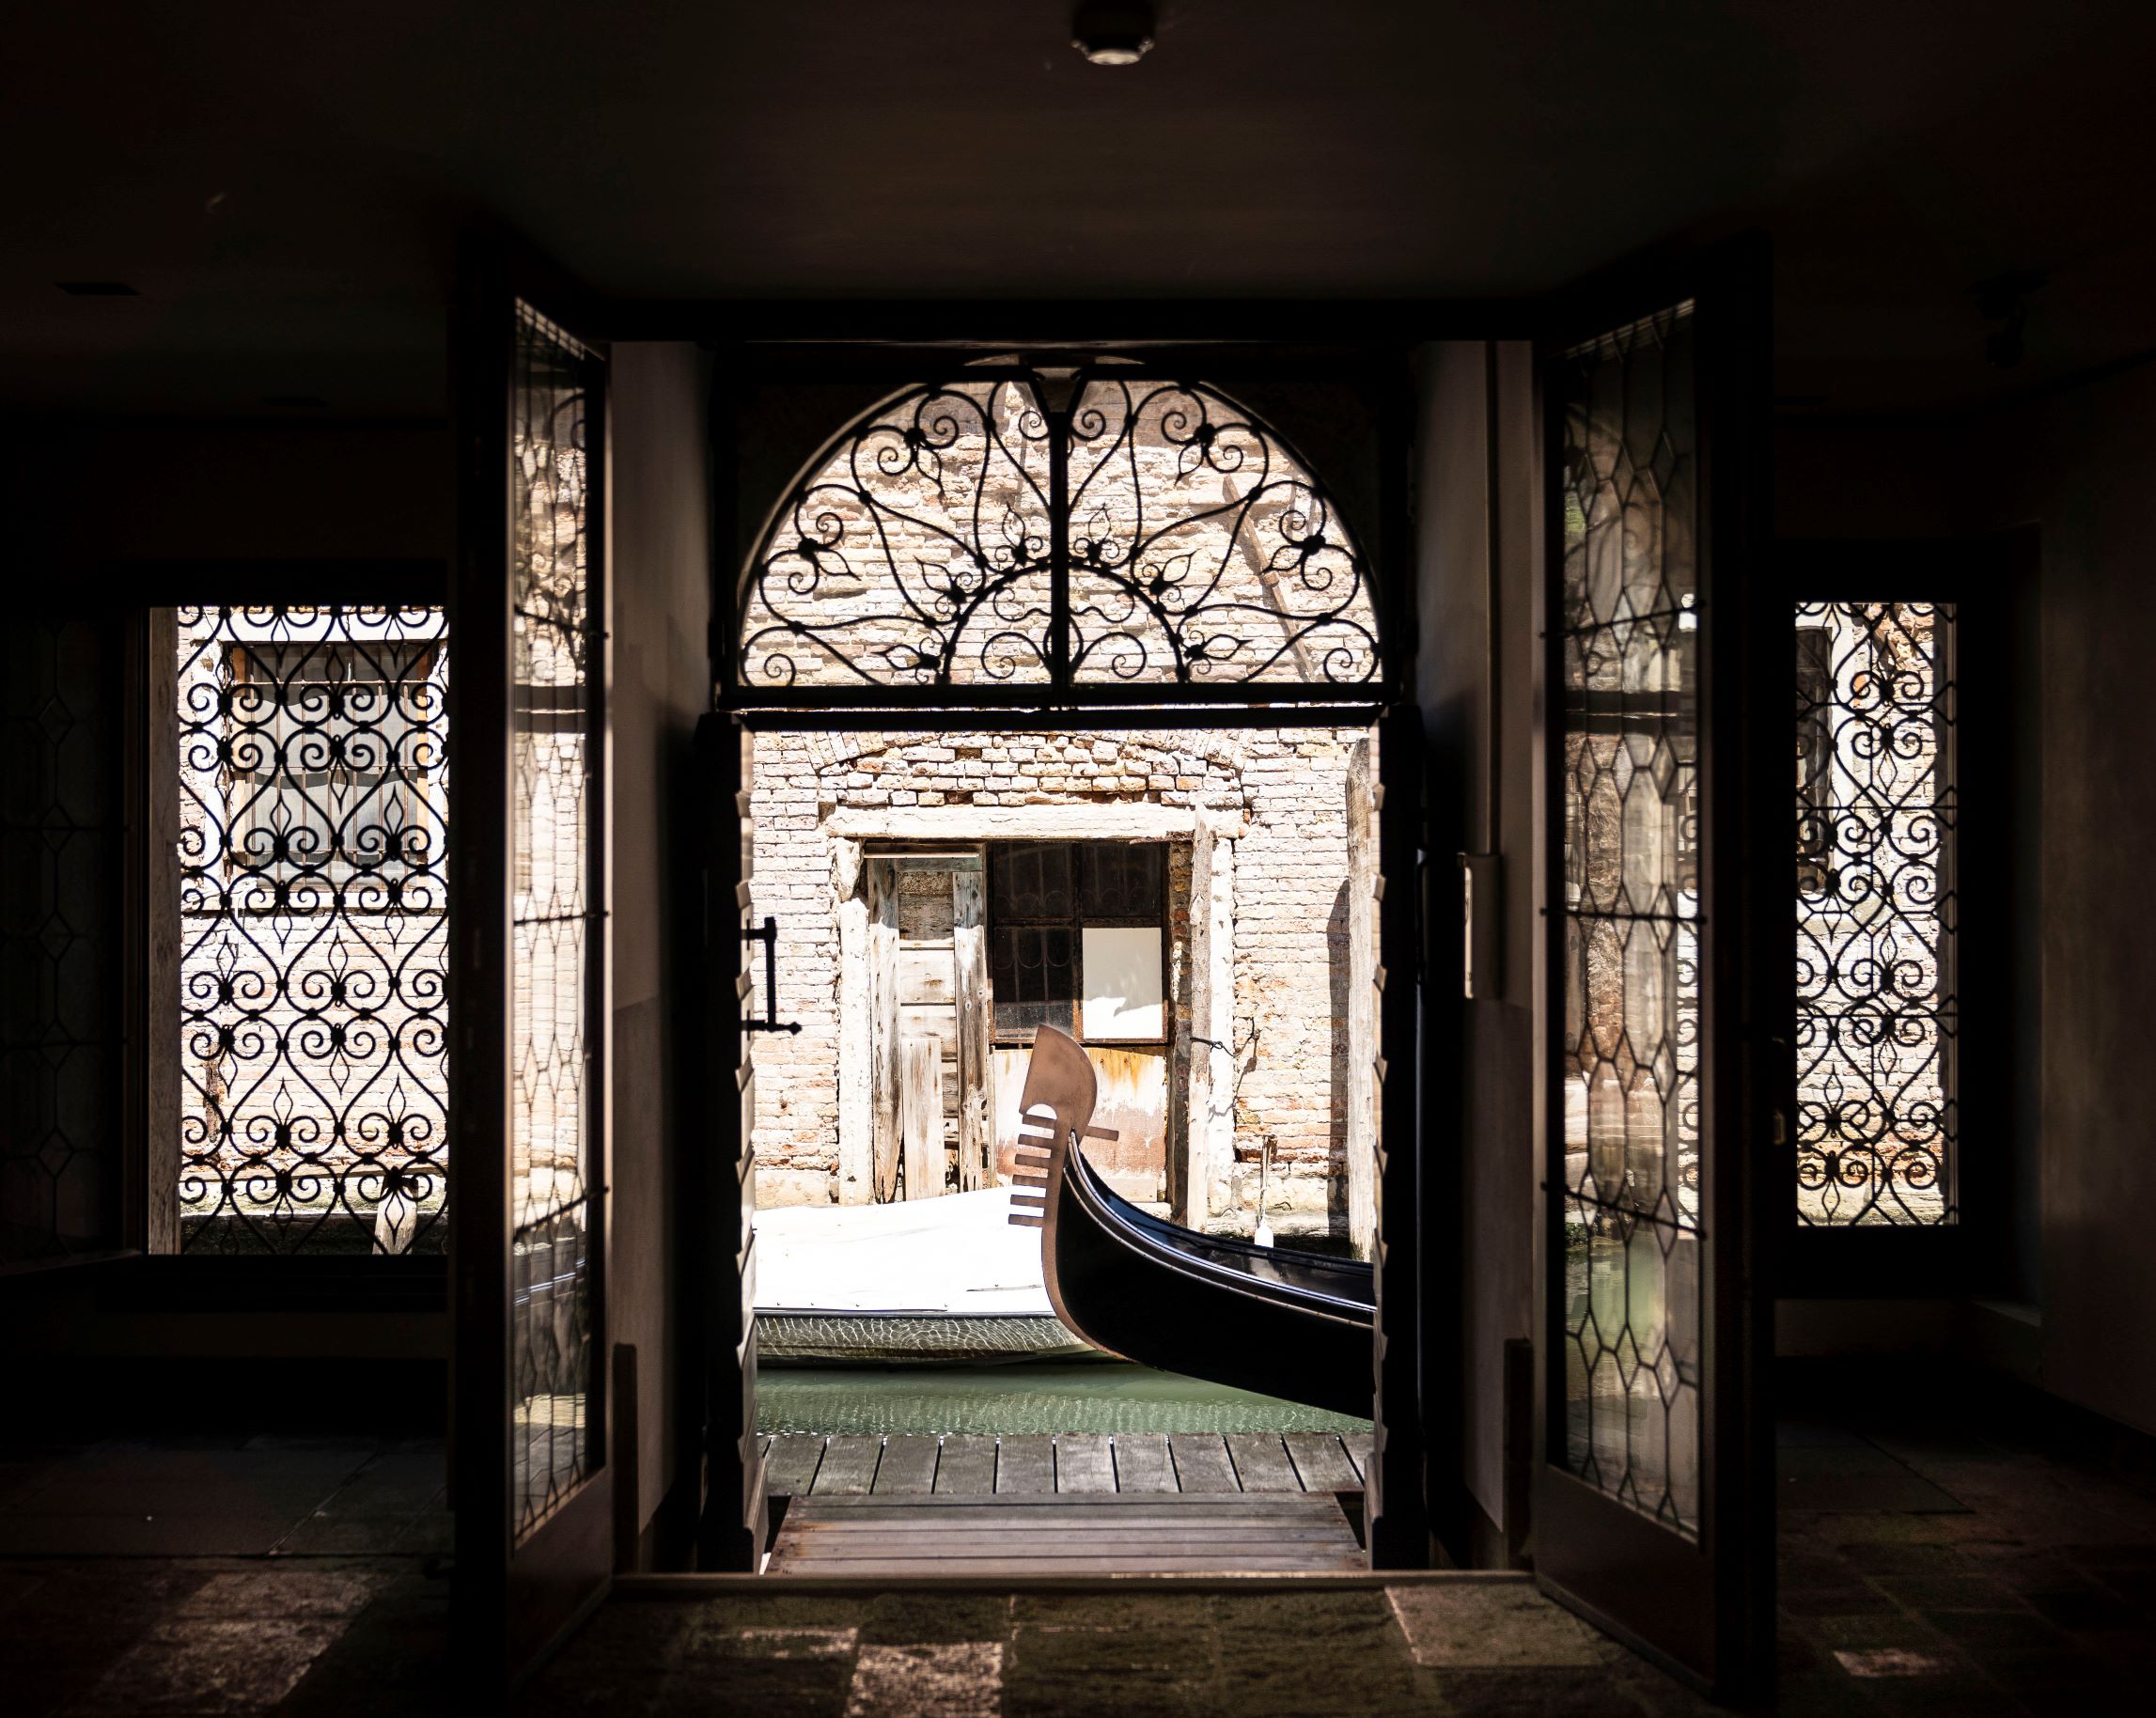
(214, 1575)
(1948, 1545)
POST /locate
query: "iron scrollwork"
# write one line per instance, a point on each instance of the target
(916, 552)
(1202, 550)
(1876, 915)
(1059, 530)
(314, 950)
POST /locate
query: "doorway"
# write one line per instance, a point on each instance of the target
(1047, 679)
(1175, 898)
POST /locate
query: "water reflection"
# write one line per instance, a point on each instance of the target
(1014, 1400)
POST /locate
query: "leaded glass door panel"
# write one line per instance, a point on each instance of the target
(533, 1483)
(1648, 1495)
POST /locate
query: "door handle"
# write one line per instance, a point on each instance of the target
(767, 934)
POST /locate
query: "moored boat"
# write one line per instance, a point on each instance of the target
(1270, 1319)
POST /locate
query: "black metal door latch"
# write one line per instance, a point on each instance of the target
(767, 934)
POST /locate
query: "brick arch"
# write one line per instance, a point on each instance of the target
(1224, 751)
(1224, 748)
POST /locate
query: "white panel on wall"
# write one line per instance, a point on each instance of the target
(1124, 994)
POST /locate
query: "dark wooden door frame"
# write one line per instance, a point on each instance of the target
(715, 1349)
(1400, 1517)
(855, 339)
(1986, 577)
(892, 343)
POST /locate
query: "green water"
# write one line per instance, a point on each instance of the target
(1012, 1400)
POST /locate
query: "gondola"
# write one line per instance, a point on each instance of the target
(1265, 1318)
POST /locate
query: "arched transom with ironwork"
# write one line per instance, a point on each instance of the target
(1072, 532)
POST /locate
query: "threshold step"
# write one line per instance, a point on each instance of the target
(1107, 1533)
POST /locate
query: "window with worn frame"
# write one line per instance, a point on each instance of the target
(333, 751)
(1078, 939)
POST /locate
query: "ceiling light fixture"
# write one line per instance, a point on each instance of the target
(1111, 32)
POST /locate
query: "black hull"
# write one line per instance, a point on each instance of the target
(1283, 1324)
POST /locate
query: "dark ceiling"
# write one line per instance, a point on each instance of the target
(283, 183)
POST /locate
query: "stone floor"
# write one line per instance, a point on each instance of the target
(1471, 1646)
(1941, 1552)
(216, 1574)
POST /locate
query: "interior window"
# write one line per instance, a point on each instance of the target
(311, 825)
(331, 746)
(1876, 819)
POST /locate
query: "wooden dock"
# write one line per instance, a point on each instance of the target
(966, 1464)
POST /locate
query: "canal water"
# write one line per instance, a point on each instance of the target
(1018, 1399)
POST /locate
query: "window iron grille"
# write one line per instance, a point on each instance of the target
(323, 782)
(1042, 897)
(999, 534)
(313, 1021)
(1877, 914)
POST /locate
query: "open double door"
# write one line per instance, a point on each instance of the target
(1659, 1070)
(1662, 906)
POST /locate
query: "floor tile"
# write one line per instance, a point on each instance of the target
(1490, 1625)
(211, 1666)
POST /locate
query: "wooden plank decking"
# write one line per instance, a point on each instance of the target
(1047, 1533)
(1068, 1464)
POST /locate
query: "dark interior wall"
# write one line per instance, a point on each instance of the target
(1476, 558)
(1921, 483)
(2078, 465)
(660, 540)
(1842, 482)
(2072, 469)
(86, 502)
(90, 493)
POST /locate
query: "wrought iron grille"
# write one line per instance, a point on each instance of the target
(555, 916)
(1877, 913)
(1059, 530)
(1628, 1057)
(313, 814)
(61, 1041)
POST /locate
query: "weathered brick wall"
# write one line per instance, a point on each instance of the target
(1282, 793)
(1291, 969)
